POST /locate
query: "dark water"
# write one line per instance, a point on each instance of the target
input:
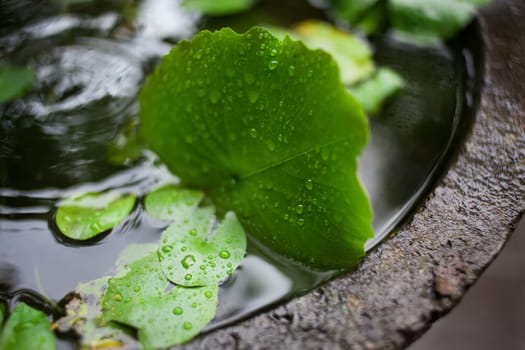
(90, 60)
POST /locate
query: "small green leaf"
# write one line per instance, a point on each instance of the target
(14, 81)
(218, 7)
(27, 329)
(87, 216)
(163, 318)
(374, 92)
(170, 202)
(352, 54)
(274, 137)
(353, 11)
(418, 21)
(429, 21)
(191, 256)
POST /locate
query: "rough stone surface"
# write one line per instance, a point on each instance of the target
(415, 277)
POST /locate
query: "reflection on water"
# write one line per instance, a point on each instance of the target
(90, 60)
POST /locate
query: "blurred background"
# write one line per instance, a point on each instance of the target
(492, 313)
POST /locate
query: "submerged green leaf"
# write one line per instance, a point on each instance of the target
(274, 136)
(428, 21)
(170, 202)
(87, 216)
(27, 329)
(163, 317)
(218, 8)
(373, 92)
(14, 81)
(419, 21)
(2, 314)
(192, 256)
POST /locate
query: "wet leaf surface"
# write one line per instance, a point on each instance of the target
(195, 252)
(143, 299)
(274, 149)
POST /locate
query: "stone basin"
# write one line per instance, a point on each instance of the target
(422, 272)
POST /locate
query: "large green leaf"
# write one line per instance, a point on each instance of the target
(163, 317)
(14, 80)
(268, 130)
(27, 329)
(192, 256)
(170, 202)
(91, 214)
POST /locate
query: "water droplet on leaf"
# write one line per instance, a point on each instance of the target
(188, 261)
(273, 64)
(224, 254)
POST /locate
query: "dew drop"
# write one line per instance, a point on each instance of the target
(309, 184)
(224, 254)
(299, 209)
(117, 297)
(177, 311)
(193, 232)
(187, 326)
(271, 145)
(167, 248)
(136, 289)
(300, 221)
(188, 261)
(273, 64)
(291, 71)
(253, 133)
(188, 277)
(208, 294)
